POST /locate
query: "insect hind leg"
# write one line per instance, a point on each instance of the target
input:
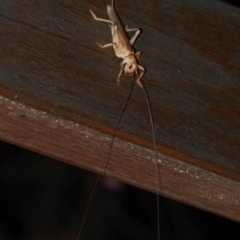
(133, 39)
(105, 45)
(99, 19)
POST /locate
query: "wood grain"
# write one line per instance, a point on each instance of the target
(59, 95)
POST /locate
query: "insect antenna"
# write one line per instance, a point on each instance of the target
(158, 176)
(116, 128)
(88, 205)
(106, 165)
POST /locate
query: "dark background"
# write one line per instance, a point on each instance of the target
(42, 198)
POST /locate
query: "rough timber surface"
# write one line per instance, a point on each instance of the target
(59, 95)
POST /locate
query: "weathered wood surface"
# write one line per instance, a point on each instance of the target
(59, 95)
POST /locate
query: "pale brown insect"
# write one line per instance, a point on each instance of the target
(122, 45)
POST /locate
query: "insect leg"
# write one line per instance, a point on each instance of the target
(133, 39)
(119, 75)
(99, 19)
(138, 54)
(105, 45)
(139, 82)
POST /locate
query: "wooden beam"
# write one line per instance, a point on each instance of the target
(59, 95)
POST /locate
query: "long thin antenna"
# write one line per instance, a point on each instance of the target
(106, 165)
(88, 205)
(155, 152)
(116, 128)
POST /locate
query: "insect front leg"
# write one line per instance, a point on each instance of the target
(133, 39)
(138, 54)
(139, 79)
(119, 75)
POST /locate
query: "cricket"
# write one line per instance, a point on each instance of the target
(122, 46)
